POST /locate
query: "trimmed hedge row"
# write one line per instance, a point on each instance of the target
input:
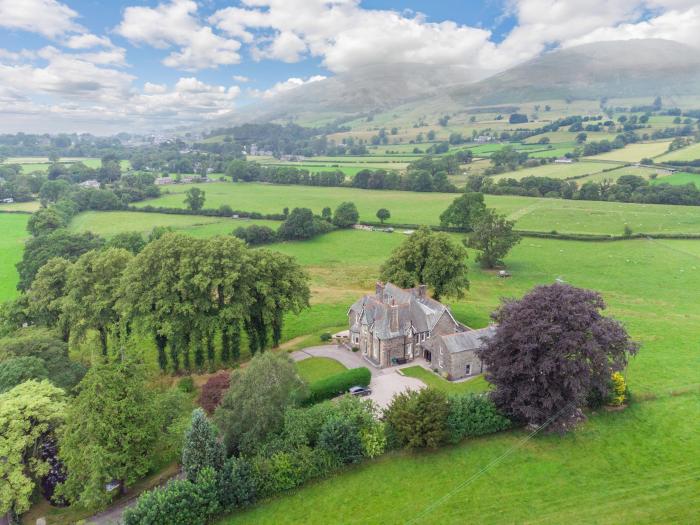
(208, 212)
(338, 384)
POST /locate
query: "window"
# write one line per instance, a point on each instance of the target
(469, 369)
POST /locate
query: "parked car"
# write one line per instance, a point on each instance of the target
(359, 391)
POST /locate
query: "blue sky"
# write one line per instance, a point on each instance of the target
(101, 65)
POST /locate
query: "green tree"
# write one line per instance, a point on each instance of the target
(93, 288)
(345, 215)
(341, 439)
(17, 370)
(431, 258)
(383, 214)
(46, 297)
(45, 220)
(253, 407)
(418, 419)
(60, 243)
(301, 224)
(201, 449)
(28, 413)
(194, 199)
(464, 211)
(111, 429)
(494, 237)
(130, 241)
(327, 214)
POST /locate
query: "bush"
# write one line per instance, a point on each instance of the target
(213, 391)
(256, 235)
(338, 384)
(17, 370)
(186, 385)
(618, 391)
(418, 419)
(473, 415)
(326, 337)
(180, 502)
(201, 449)
(284, 470)
(373, 440)
(237, 486)
(341, 439)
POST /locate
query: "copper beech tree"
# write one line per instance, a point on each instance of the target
(551, 350)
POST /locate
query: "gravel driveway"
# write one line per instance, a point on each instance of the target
(386, 382)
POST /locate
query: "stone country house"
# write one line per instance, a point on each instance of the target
(396, 325)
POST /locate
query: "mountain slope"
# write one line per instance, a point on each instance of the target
(619, 69)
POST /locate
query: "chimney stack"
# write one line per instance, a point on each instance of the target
(422, 291)
(394, 321)
(379, 289)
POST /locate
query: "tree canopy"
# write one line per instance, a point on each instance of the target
(345, 215)
(493, 236)
(551, 349)
(194, 199)
(431, 258)
(464, 211)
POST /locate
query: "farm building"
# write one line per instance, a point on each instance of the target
(396, 325)
(90, 184)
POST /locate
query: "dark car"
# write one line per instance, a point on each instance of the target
(359, 391)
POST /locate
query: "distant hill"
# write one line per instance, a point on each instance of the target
(619, 69)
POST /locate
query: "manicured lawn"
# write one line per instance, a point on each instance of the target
(425, 208)
(476, 384)
(315, 368)
(13, 232)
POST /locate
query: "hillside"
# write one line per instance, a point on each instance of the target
(620, 69)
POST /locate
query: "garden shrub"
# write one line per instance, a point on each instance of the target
(618, 391)
(17, 370)
(373, 440)
(338, 384)
(237, 486)
(418, 419)
(473, 415)
(180, 502)
(341, 438)
(213, 391)
(326, 336)
(201, 448)
(186, 385)
(283, 470)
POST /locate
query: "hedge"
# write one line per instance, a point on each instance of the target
(338, 384)
(208, 212)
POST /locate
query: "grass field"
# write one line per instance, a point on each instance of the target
(679, 178)
(30, 206)
(13, 232)
(635, 152)
(316, 368)
(425, 208)
(107, 224)
(555, 170)
(691, 152)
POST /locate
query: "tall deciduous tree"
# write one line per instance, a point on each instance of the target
(93, 288)
(494, 237)
(345, 215)
(28, 413)
(430, 258)
(111, 429)
(194, 199)
(46, 297)
(254, 406)
(383, 214)
(464, 211)
(201, 449)
(551, 349)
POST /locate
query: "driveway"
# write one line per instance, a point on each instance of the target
(386, 382)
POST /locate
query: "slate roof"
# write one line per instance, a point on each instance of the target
(395, 311)
(462, 341)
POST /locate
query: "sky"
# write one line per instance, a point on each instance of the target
(143, 66)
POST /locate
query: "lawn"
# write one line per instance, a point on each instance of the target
(691, 152)
(634, 152)
(475, 384)
(316, 368)
(425, 208)
(13, 232)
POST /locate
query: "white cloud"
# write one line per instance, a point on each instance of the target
(287, 85)
(175, 24)
(241, 78)
(46, 17)
(87, 41)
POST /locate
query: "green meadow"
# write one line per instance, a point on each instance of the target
(679, 178)
(635, 152)
(691, 152)
(425, 208)
(556, 170)
(13, 232)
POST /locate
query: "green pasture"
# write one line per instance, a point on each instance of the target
(691, 152)
(108, 224)
(679, 178)
(425, 208)
(556, 151)
(30, 206)
(555, 170)
(634, 152)
(13, 232)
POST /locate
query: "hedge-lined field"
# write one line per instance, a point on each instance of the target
(13, 232)
(691, 152)
(635, 152)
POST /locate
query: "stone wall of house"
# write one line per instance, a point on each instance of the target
(444, 326)
(392, 348)
(456, 364)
